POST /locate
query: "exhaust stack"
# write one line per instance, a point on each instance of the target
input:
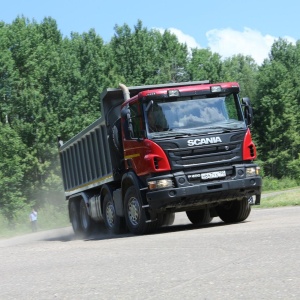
(125, 90)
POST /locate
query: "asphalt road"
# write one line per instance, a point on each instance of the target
(256, 259)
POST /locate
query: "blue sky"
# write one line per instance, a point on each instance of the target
(226, 27)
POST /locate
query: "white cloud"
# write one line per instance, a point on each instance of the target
(185, 38)
(182, 37)
(228, 42)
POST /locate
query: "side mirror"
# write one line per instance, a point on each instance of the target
(127, 122)
(124, 112)
(248, 111)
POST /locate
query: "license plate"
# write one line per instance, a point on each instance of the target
(212, 175)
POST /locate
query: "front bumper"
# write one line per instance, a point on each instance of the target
(205, 193)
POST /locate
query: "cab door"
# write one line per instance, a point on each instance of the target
(135, 147)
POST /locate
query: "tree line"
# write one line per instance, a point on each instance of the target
(50, 85)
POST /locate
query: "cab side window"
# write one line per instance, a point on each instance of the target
(231, 107)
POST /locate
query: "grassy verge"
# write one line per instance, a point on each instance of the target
(274, 184)
(280, 198)
(49, 217)
(280, 192)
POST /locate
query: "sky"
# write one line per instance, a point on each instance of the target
(226, 27)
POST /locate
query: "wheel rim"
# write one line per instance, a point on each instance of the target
(133, 211)
(110, 214)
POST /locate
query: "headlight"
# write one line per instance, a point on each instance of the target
(160, 184)
(216, 89)
(173, 93)
(252, 171)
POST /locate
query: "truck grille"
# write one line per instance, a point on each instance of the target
(204, 156)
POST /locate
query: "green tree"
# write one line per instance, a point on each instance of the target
(34, 51)
(12, 170)
(132, 53)
(148, 57)
(205, 65)
(244, 70)
(81, 79)
(8, 75)
(172, 60)
(277, 120)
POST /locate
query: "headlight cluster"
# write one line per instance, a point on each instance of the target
(252, 171)
(160, 184)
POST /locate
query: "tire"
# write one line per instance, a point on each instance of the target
(74, 217)
(168, 219)
(135, 214)
(165, 219)
(199, 217)
(113, 223)
(234, 211)
(87, 224)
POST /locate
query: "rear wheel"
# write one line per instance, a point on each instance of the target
(113, 223)
(199, 217)
(87, 224)
(234, 211)
(74, 217)
(135, 214)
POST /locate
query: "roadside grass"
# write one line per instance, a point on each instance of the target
(279, 192)
(49, 217)
(274, 184)
(280, 198)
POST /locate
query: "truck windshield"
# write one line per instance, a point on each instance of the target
(194, 115)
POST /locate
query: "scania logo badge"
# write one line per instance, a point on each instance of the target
(204, 141)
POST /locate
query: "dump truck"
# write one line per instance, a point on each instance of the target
(162, 149)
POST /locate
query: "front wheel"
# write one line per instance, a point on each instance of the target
(135, 214)
(234, 211)
(166, 219)
(199, 217)
(113, 223)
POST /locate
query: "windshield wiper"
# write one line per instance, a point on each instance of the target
(223, 128)
(228, 127)
(170, 134)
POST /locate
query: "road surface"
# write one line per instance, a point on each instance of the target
(256, 259)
